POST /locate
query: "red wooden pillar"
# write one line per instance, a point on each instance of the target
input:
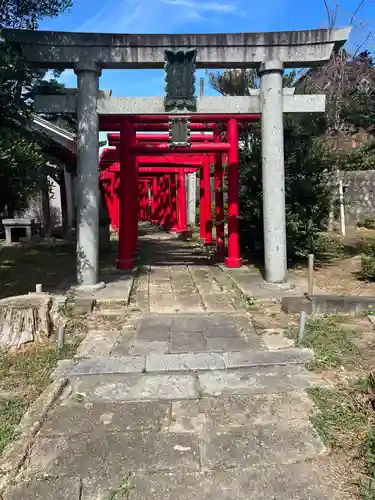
(128, 197)
(202, 209)
(116, 201)
(234, 257)
(136, 202)
(219, 201)
(174, 216)
(207, 199)
(182, 201)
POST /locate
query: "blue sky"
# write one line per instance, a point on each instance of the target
(198, 16)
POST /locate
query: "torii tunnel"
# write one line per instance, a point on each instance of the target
(144, 178)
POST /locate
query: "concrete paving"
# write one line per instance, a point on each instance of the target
(185, 401)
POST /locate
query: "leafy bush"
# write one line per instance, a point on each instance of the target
(368, 223)
(306, 190)
(368, 260)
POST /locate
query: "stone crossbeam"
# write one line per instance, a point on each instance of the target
(312, 103)
(295, 49)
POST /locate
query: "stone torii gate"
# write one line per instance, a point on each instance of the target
(89, 53)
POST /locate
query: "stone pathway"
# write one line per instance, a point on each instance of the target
(185, 401)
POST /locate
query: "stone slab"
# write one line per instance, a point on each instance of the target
(263, 444)
(294, 481)
(154, 330)
(167, 486)
(183, 323)
(244, 324)
(250, 358)
(135, 387)
(163, 303)
(267, 380)
(325, 304)
(217, 302)
(241, 412)
(104, 453)
(145, 348)
(102, 366)
(221, 332)
(294, 305)
(184, 362)
(71, 418)
(187, 342)
(97, 343)
(54, 488)
(186, 302)
(222, 320)
(83, 305)
(275, 339)
(226, 344)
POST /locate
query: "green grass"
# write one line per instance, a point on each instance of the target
(331, 342)
(23, 376)
(344, 418)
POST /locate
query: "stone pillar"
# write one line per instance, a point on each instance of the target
(182, 201)
(128, 193)
(191, 196)
(271, 93)
(88, 176)
(154, 198)
(234, 257)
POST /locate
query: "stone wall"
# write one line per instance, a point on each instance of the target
(359, 195)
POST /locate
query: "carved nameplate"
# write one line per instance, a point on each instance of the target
(180, 80)
(179, 132)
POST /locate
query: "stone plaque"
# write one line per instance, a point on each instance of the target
(180, 80)
(179, 132)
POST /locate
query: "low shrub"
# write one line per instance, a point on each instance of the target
(368, 260)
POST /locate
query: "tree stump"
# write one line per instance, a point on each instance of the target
(25, 319)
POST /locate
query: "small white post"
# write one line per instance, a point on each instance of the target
(310, 278)
(61, 338)
(342, 205)
(39, 288)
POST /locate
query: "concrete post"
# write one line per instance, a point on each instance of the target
(271, 92)
(88, 74)
(182, 202)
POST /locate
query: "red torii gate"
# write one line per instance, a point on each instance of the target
(129, 150)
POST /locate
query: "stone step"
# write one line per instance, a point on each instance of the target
(175, 386)
(197, 362)
(302, 481)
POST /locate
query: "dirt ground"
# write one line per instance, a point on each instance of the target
(339, 273)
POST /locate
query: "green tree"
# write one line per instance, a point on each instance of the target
(306, 163)
(23, 165)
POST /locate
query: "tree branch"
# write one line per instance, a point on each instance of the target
(359, 6)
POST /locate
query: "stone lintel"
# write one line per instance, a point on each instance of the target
(231, 50)
(311, 103)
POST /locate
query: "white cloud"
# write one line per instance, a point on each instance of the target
(202, 6)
